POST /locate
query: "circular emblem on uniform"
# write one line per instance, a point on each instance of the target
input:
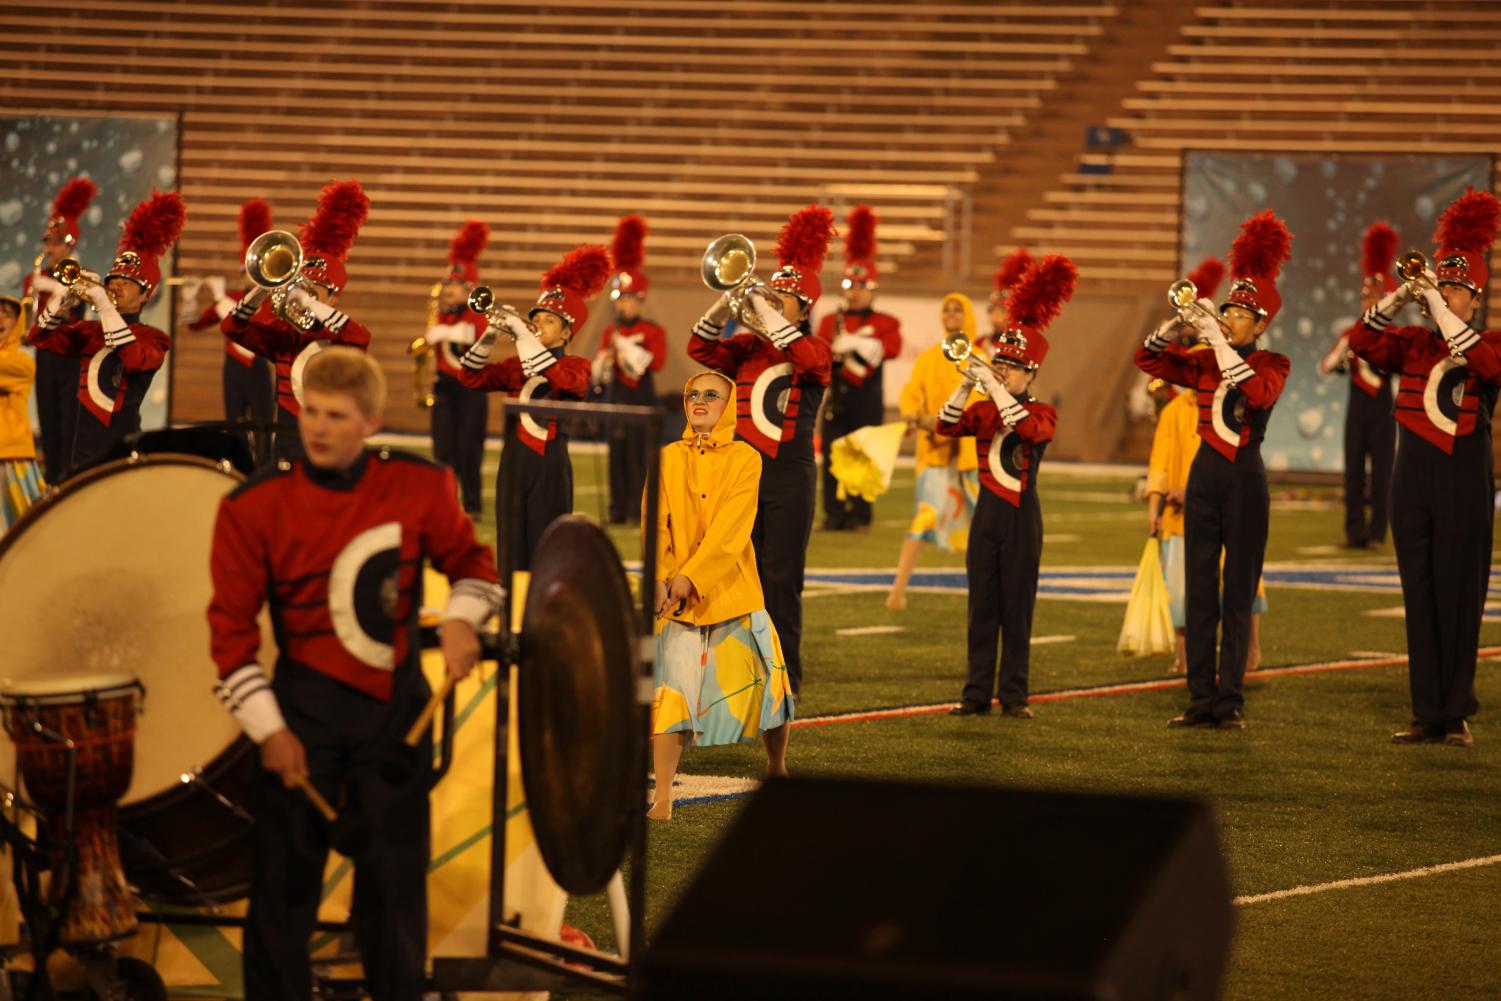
(1005, 459)
(769, 395)
(300, 362)
(535, 388)
(1444, 393)
(1228, 412)
(104, 379)
(362, 594)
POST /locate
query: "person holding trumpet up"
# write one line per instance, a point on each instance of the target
(289, 315)
(117, 355)
(721, 677)
(1226, 504)
(1443, 488)
(537, 451)
(781, 372)
(1011, 430)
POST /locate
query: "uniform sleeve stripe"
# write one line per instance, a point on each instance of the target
(708, 329)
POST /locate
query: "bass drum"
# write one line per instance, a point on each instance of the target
(111, 575)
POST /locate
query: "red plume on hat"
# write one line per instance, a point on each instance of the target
(1035, 302)
(1256, 259)
(860, 248)
(71, 202)
(1012, 268)
(255, 219)
(801, 247)
(1378, 249)
(1464, 235)
(568, 285)
(329, 234)
(151, 228)
(1207, 276)
(629, 252)
(464, 251)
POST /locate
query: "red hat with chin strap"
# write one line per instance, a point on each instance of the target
(1378, 249)
(1464, 235)
(569, 285)
(1012, 268)
(151, 228)
(860, 249)
(801, 247)
(629, 252)
(71, 202)
(329, 233)
(1035, 302)
(1256, 259)
(464, 251)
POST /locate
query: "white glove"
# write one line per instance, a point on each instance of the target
(634, 359)
(1334, 361)
(117, 332)
(1458, 335)
(870, 350)
(1209, 330)
(953, 407)
(719, 313)
(535, 359)
(992, 383)
(216, 285)
(255, 296)
(1380, 316)
(1164, 335)
(778, 330)
(600, 369)
(844, 343)
(97, 295)
(42, 281)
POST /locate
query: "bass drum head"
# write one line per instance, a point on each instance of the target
(111, 576)
(580, 726)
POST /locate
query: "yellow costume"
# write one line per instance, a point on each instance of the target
(720, 674)
(20, 483)
(1174, 446)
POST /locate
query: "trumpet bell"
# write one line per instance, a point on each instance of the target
(1411, 266)
(957, 348)
(1183, 294)
(481, 299)
(67, 271)
(729, 261)
(273, 259)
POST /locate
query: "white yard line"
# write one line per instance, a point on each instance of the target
(1391, 877)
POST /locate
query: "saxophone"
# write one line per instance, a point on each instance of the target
(420, 351)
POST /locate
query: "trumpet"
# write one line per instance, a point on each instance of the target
(1184, 296)
(957, 348)
(482, 301)
(729, 265)
(69, 272)
(1413, 268)
(273, 261)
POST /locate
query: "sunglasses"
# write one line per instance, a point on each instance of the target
(707, 395)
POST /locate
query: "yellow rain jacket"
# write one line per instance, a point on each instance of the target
(1174, 445)
(17, 376)
(934, 379)
(709, 487)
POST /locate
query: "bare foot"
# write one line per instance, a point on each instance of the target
(777, 773)
(896, 602)
(659, 812)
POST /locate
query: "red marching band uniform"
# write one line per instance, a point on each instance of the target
(780, 378)
(1004, 555)
(537, 451)
(460, 414)
(116, 355)
(861, 341)
(326, 239)
(631, 350)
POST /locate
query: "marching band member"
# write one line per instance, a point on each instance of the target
(630, 350)
(116, 356)
(1226, 505)
(1369, 430)
(57, 375)
(948, 478)
(542, 369)
(348, 683)
(460, 414)
(326, 239)
(1442, 486)
(780, 372)
(1012, 430)
(861, 340)
(20, 484)
(249, 387)
(721, 678)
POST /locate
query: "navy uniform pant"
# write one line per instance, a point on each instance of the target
(458, 426)
(546, 495)
(847, 408)
(1001, 562)
(1369, 437)
(784, 521)
(345, 733)
(628, 452)
(249, 393)
(1225, 510)
(56, 399)
(1442, 519)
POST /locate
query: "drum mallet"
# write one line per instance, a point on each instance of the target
(398, 766)
(349, 834)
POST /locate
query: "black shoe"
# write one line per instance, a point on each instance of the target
(970, 709)
(1017, 711)
(1235, 721)
(830, 525)
(1419, 733)
(1190, 719)
(1460, 737)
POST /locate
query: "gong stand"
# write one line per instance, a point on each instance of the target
(516, 960)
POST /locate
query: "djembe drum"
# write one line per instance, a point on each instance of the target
(75, 744)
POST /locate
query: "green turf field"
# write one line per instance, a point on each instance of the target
(1311, 792)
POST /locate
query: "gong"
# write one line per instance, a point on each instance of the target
(580, 726)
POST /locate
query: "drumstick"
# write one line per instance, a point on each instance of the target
(426, 716)
(316, 798)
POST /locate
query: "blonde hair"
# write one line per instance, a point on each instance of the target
(347, 370)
